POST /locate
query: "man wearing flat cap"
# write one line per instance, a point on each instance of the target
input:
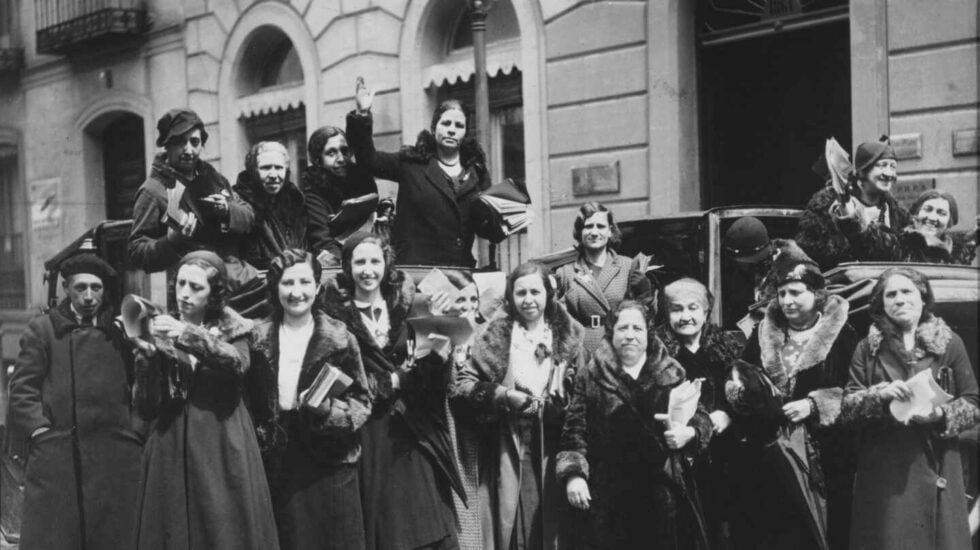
(186, 205)
(70, 394)
(831, 227)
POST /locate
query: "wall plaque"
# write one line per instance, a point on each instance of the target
(907, 146)
(595, 179)
(965, 143)
(906, 191)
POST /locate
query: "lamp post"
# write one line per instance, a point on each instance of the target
(478, 23)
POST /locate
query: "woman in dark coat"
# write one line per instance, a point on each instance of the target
(616, 460)
(599, 279)
(332, 177)
(803, 346)
(203, 486)
(279, 206)
(439, 180)
(518, 381)
(706, 352)
(908, 489)
(407, 466)
(311, 454)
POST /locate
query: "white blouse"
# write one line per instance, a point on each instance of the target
(292, 349)
(529, 374)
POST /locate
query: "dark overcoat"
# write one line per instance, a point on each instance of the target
(280, 220)
(909, 245)
(154, 246)
(820, 375)
(311, 458)
(434, 224)
(67, 375)
(590, 299)
(908, 489)
(482, 384)
(408, 471)
(642, 492)
(203, 485)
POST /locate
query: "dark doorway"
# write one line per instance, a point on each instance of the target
(766, 106)
(124, 162)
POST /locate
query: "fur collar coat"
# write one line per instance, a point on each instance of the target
(328, 437)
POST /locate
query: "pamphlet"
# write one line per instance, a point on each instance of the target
(926, 396)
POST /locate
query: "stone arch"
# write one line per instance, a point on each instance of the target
(263, 14)
(416, 109)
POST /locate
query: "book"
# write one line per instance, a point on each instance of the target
(329, 382)
(926, 396)
(354, 212)
(510, 190)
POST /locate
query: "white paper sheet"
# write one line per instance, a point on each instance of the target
(926, 395)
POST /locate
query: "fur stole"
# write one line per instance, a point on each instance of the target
(772, 338)
(286, 205)
(492, 348)
(932, 336)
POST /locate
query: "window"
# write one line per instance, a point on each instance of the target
(13, 226)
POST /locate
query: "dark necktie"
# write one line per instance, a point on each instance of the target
(373, 314)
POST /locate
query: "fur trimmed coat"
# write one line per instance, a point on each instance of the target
(819, 375)
(822, 237)
(203, 484)
(909, 245)
(280, 219)
(66, 376)
(642, 492)
(482, 384)
(908, 490)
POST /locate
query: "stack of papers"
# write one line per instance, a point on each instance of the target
(926, 396)
(511, 203)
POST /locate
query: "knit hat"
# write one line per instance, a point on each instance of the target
(747, 240)
(791, 264)
(870, 152)
(207, 257)
(178, 122)
(87, 262)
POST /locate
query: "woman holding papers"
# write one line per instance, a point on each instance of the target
(618, 456)
(517, 382)
(707, 352)
(439, 180)
(310, 449)
(407, 466)
(792, 469)
(203, 485)
(908, 490)
(599, 279)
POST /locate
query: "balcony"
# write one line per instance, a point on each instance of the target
(65, 25)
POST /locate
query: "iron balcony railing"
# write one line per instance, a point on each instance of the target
(63, 25)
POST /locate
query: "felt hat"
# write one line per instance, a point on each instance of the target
(177, 122)
(87, 262)
(870, 152)
(747, 240)
(791, 264)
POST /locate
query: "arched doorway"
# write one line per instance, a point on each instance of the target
(124, 164)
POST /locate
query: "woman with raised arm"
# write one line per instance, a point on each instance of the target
(600, 278)
(407, 466)
(517, 381)
(908, 489)
(203, 485)
(311, 453)
(439, 179)
(618, 459)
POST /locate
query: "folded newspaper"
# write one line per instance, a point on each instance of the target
(509, 203)
(926, 396)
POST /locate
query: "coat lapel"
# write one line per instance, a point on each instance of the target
(584, 278)
(440, 182)
(609, 272)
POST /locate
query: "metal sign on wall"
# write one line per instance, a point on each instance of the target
(906, 191)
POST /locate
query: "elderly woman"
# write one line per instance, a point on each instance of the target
(203, 485)
(439, 180)
(517, 381)
(279, 206)
(407, 466)
(615, 460)
(311, 453)
(599, 279)
(796, 493)
(927, 239)
(707, 352)
(908, 490)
